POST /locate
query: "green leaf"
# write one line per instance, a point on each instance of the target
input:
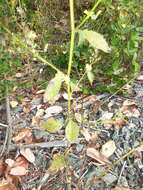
(58, 163)
(53, 88)
(95, 39)
(72, 131)
(52, 125)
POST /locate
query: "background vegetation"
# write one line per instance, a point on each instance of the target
(44, 26)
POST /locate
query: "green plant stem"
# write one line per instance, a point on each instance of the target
(71, 52)
(89, 15)
(35, 54)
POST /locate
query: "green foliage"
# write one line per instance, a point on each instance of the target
(95, 39)
(53, 88)
(52, 125)
(58, 163)
(72, 131)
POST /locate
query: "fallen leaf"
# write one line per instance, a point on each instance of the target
(96, 106)
(25, 134)
(36, 121)
(21, 161)
(5, 185)
(65, 96)
(28, 154)
(54, 110)
(91, 98)
(95, 154)
(52, 125)
(13, 104)
(108, 148)
(86, 134)
(2, 166)
(129, 103)
(27, 108)
(58, 163)
(18, 171)
(10, 162)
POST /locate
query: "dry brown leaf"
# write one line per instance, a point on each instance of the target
(27, 108)
(96, 106)
(28, 154)
(5, 185)
(108, 148)
(95, 154)
(25, 134)
(36, 121)
(128, 103)
(21, 161)
(2, 166)
(18, 171)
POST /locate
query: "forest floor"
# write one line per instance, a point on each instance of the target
(110, 127)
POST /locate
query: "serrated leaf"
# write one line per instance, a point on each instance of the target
(52, 125)
(72, 131)
(95, 39)
(58, 163)
(53, 88)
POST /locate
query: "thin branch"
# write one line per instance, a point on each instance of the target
(89, 15)
(71, 51)
(8, 135)
(60, 143)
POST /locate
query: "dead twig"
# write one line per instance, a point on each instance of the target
(8, 136)
(60, 143)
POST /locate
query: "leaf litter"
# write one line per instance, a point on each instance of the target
(106, 134)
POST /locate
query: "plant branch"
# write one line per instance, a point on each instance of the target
(71, 51)
(89, 15)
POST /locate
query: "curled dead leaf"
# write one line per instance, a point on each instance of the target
(95, 154)
(25, 134)
(28, 154)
